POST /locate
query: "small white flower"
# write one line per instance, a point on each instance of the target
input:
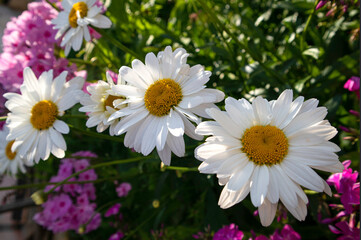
(74, 21)
(99, 104)
(33, 119)
(268, 149)
(10, 161)
(162, 96)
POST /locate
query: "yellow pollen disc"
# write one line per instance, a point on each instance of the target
(161, 96)
(43, 114)
(83, 10)
(109, 101)
(10, 154)
(265, 145)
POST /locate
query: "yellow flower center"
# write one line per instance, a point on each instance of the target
(83, 11)
(109, 101)
(43, 114)
(265, 145)
(161, 96)
(10, 154)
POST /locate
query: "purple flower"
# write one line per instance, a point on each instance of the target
(287, 233)
(82, 199)
(348, 231)
(113, 210)
(230, 232)
(261, 237)
(123, 189)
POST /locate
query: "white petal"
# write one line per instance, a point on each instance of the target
(238, 180)
(61, 127)
(175, 124)
(226, 122)
(303, 175)
(176, 145)
(165, 155)
(267, 212)
(230, 198)
(260, 181)
(262, 110)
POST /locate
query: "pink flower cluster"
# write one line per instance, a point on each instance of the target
(70, 206)
(287, 233)
(348, 190)
(29, 41)
(230, 232)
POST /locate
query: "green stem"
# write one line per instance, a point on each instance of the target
(303, 36)
(183, 169)
(122, 161)
(53, 5)
(36, 185)
(118, 44)
(96, 135)
(3, 118)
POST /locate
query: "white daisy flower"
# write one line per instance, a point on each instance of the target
(99, 105)
(33, 119)
(74, 20)
(10, 161)
(162, 96)
(268, 149)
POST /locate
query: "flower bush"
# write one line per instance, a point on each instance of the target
(185, 119)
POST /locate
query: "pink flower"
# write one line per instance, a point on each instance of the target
(287, 233)
(69, 207)
(230, 232)
(81, 164)
(116, 236)
(123, 189)
(94, 223)
(346, 183)
(65, 169)
(353, 85)
(321, 3)
(89, 175)
(113, 210)
(56, 207)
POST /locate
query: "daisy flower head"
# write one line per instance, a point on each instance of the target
(269, 149)
(74, 21)
(10, 161)
(33, 119)
(100, 104)
(163, 96)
